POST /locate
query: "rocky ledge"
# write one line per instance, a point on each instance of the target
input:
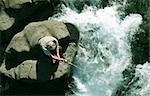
(24, 66)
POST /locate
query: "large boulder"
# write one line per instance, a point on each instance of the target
(16, 14)
(12, 12)
(19, 3)
(15, 3)
(5, 21)
(25, 60)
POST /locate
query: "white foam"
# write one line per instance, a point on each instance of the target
(142, 86)
(104, 49)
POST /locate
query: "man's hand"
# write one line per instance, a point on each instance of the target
(57, 58)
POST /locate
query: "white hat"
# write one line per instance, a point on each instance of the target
(49, 42)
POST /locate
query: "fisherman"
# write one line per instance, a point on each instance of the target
(50, 45)
(35, 53)
(52, 36)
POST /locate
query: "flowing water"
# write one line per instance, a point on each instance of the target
(142, 86)
(104, 50)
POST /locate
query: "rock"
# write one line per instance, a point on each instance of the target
(15, 3)
(25, 11)
(5, 21)
(26, 61)
(16, 14)
(46, 28)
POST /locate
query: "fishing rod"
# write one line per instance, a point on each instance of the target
(48, 53)
(70, 63)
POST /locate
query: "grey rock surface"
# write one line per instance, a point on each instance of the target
(25, 60)
(5, 21)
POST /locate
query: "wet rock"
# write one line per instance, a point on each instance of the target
(5, 21)
(16, 14)
(25, 60)
(24, 11)
(15, 3)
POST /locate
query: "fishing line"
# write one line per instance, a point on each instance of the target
(70, 63)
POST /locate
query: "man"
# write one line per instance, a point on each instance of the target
(30, 54)
(61, 33)
(50, 45)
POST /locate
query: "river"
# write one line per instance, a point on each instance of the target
(104, 49)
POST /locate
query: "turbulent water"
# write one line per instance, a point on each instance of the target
(104, 50)
(142, 86)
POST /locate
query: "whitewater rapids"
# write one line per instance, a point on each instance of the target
(104, 49)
